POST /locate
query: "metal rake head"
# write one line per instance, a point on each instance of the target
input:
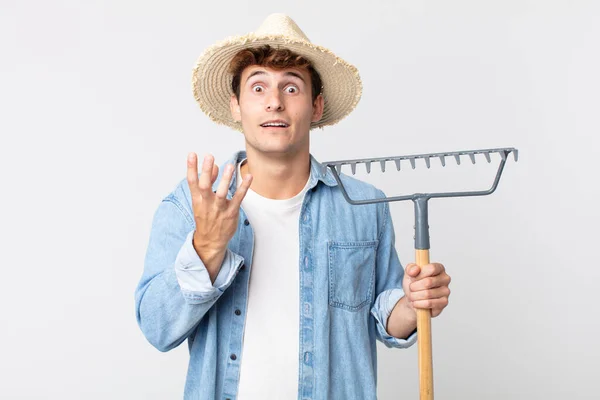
(336, 169)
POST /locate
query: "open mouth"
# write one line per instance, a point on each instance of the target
(275, 124)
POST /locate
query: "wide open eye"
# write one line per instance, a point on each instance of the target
(291, 89)
(257, 88)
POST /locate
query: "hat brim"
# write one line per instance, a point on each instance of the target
(211, 81)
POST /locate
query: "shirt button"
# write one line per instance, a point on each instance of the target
(307, 309)
(238, 312)
(308, 358)
(246, 222)
(233, 357)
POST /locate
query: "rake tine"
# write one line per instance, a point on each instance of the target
(504, 154)
(443, 159)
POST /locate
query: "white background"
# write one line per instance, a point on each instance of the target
(97, 117)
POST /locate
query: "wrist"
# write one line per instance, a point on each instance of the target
(410, 314)
(211, 257)
(402, 320)
(205, 248)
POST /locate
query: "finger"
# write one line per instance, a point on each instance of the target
(437, 311)
(204, 183)
(431, 269)
(430, 282)
(241, 191)
(431, 303)
(215, 174)
(435, 293)
(221, 192)
(192, 172)
(412, 270)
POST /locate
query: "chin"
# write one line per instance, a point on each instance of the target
(273, 148)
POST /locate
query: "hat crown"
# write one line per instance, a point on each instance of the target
(281, 25)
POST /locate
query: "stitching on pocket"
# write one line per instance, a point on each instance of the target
(362, 275)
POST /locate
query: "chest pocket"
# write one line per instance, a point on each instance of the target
(351, 273)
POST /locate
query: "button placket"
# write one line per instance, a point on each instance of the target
(306, 378)
(238, 293)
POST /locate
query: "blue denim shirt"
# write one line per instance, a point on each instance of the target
(350, 279)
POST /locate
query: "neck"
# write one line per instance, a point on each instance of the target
(277, 178)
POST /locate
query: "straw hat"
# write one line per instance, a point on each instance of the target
(211, 81)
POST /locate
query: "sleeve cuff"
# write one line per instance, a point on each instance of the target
(193, 277)
(384, 304)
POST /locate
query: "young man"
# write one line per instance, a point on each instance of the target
(279, 285)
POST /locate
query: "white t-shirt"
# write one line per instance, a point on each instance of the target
(270, 355)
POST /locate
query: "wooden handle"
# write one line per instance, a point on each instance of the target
(424, 341)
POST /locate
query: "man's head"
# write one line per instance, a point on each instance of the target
(276, 97)
(212, 75)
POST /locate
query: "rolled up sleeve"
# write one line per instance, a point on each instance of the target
(193, 276)
(381, 310)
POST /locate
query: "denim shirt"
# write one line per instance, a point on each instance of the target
(350, 280)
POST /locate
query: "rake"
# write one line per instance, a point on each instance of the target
(420, 201)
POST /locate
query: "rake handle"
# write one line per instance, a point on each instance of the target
(424, 340)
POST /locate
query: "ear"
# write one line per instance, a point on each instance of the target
(234, 107)
(318, 105)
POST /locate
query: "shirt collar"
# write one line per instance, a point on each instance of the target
(318, 172)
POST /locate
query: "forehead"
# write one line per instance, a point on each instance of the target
(270, 73)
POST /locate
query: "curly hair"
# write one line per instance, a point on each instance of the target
(270, 57)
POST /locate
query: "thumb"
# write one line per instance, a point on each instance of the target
(413, 270)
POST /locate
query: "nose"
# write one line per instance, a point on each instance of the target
(274, 101)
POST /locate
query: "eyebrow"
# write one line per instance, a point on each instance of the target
(287, 73)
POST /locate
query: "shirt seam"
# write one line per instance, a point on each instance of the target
(386, 216)
(173, 200)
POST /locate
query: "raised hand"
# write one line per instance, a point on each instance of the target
(216, 217)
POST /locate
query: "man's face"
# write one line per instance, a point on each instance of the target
(276, 109)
